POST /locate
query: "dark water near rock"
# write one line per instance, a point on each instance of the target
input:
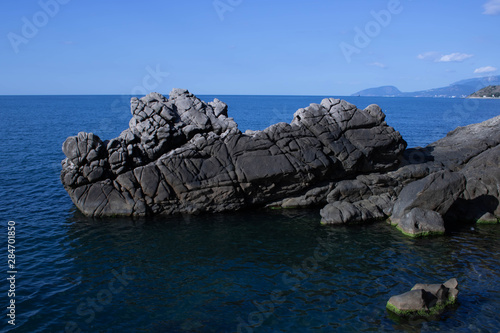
(260, 271)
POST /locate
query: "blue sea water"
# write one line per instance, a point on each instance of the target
(252, 271)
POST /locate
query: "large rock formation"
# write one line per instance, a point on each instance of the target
(184, 155)
(451, 180)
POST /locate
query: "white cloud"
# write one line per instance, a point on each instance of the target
(457, 56)
(487, 69)
(429, 56)
(378, 64)
(439, 57)
(492, 7)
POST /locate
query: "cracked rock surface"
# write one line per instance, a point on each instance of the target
(182, 155)
(454, 179)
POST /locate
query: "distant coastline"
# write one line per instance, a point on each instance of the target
(459, 89)
(489, 92)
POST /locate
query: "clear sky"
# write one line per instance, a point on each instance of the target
(289, 47)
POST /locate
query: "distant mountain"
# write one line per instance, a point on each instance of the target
(461, 88)
(488, 92)
(380, 91)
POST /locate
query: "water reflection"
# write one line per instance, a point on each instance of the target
(214, 273)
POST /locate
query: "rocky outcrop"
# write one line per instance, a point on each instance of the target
(451, 180)
(424, 299)
(182, 155)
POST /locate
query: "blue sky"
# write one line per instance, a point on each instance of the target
(316, 47)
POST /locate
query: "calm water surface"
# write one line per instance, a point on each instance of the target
(256, 271)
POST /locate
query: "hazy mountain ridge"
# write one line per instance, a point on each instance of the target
(462, 88)
(380, 91)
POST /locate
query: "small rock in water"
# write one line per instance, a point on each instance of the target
(424, 299)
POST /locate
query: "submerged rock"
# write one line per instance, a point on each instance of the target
(424, 299)
(182, 155)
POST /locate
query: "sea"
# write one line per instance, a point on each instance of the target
(249, 271)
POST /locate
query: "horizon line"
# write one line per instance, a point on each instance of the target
(204, 94)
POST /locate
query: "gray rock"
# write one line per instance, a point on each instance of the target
(436, 192)
(182, 155)
(411, 301)
(456, 177)
(313, 197)
(421, 222)
(424, 299)
(340, 212)
(440, 291)
(370, 196)
(482, 193)
(451, 283)
(464, 143)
